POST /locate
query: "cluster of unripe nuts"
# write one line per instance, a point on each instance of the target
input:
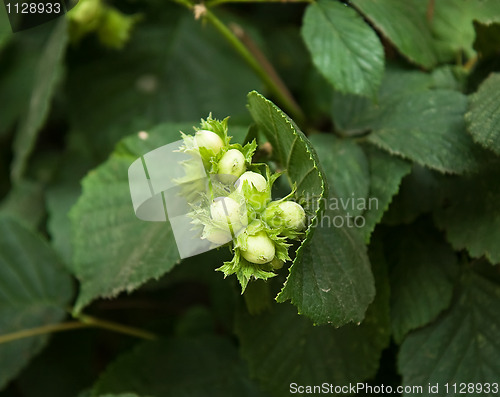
(247, 218)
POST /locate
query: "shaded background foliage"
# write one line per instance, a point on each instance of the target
(399, 101)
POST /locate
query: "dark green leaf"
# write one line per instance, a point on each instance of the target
(48, 73)
(60, 199)
(353, 115)
(206, 366)
(346, 169)
(487, 11)
(422, 183)
(63, 192)
(282, 348)
(452, 26)
(291, 148)
(343, 47)
(450, 77)
(34, 291)
(428, 127)
(423, 269)
(404, 23)
(25, 201)
(17, 63)
(483, 118)
(470, 214)
(115, 251)
(330, 280)
(461, 346)
(386, 173)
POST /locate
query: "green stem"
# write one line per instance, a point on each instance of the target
(84, 322)
(283, 97)
(112, 326)
(44, 329)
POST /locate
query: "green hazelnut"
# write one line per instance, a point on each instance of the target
(216, 236)
(257, 193)
(231, 166)
(260, 249)
(287, 214)
(209, 140)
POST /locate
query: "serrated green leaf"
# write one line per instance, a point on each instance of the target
(47, 75)
(422, 269)
(171, 71)
(483, 119)
(315, 354)
(34, 291)
(470, 214)
(330, 280)
(461, 346)
(354, 115)
(428, 127)
(404, 23)
(422, 183)
(346, 169)
(205, 366)
(327, 282)
(291, 148)
(452, 26)
(114, 251)
(487, 11)
(452, 23)
(386, 173)
(343, 47)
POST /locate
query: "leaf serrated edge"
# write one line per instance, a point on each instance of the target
(324, 184)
